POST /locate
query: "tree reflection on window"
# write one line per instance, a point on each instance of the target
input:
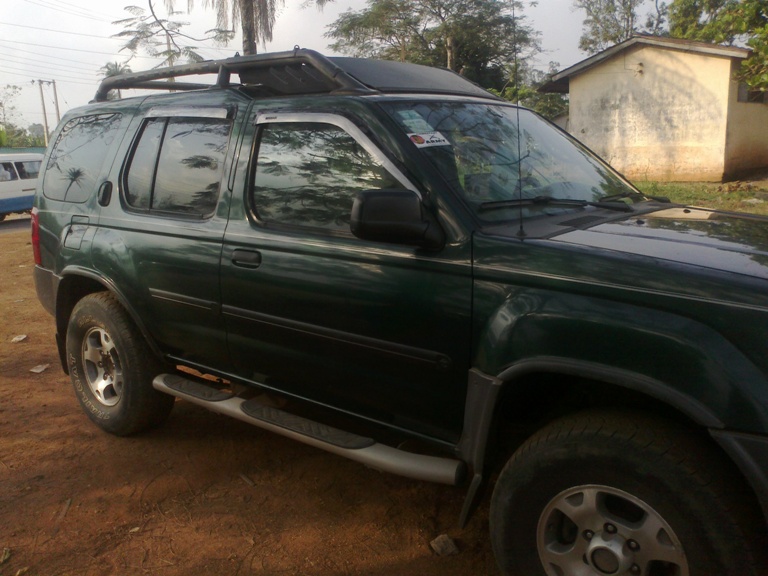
(177, 165)
(307, 174)
(78, 155)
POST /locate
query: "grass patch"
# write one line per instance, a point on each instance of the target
(749, 197)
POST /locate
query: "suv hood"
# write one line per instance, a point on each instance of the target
(736, 243)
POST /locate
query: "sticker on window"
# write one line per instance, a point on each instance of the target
(427, 139)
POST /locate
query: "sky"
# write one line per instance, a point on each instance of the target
(68, 41)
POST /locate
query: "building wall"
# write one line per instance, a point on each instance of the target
(655, 114)
(746, 144)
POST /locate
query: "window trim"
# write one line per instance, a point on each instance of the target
(215, 112)
(341, 122)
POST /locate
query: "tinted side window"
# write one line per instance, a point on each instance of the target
(141, 173)
(177, 165)
(28, 170)
(77, 157)
(307, 174)
(7, 172)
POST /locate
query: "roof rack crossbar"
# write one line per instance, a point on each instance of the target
(328, 71)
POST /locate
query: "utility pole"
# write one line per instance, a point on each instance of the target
(45, 116)
(56, 101)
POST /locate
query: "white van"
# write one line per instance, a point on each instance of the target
(18, 179)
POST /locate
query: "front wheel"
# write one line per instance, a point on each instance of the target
(112, 367)
(622, 494)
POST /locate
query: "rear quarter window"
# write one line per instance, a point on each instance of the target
(177, 165)
(77, 157)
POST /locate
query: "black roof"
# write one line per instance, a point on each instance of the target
(302, 71)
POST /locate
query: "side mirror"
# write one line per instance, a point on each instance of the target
(394, 216)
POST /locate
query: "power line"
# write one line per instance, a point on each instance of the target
(58, 31)
(81, 8)
(42, 63)
(47, 6)
(45, 57)
(113, 54)
(76, 80)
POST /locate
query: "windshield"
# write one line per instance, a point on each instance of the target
(503, 177)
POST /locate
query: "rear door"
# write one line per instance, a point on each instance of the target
(378, 330)
(159, 241)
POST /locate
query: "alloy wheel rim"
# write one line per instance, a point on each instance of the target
(596, 530)
(102, 367)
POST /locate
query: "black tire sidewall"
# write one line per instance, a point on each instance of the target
(140, 406)
(533, 478)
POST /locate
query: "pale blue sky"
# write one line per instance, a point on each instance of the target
(69, 40)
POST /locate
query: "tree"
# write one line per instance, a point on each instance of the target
(392, 29)
(608, 22)
(257, 17)
(693, 19)
(727, 22)
(478, 38)
(158, 37)
(525, 91)
(115, 69)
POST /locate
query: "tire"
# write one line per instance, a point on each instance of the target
(112, 367)
(620, 493)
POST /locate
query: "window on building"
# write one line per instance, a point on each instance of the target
(751, 96)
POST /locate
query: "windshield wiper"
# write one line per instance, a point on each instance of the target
(550, 201)
(610, 198)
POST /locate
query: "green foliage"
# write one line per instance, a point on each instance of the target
(727, 22)
(256, 17)
(608, 22)
(11, 134)
(478, 38)
(693, 19)
(734, 197)
(525, 91)
(157, 37)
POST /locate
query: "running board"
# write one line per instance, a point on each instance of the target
(358, 448)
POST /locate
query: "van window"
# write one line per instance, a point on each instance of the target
(7, 172)
(177, 165)
(28, 169)
(77, 157)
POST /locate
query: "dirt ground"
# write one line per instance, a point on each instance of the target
(205, 494)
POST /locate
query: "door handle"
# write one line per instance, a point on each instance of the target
(246, 258)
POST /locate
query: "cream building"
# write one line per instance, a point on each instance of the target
(667, 109)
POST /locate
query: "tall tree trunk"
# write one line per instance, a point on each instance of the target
(247, 18)
(449, 53)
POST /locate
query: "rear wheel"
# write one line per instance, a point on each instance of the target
(111, 367)
(613, 493)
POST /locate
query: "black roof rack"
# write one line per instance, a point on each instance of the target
(301, 71)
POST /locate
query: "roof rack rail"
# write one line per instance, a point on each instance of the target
(299, 71)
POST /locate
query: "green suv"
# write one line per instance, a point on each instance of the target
(389, 263)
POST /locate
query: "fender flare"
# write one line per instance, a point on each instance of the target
(484, 391)
(109, 286)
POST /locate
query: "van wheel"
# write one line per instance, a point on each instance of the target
(112, 367)
(617, 493)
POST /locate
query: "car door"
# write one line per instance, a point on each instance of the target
(160, 241)
(378, 330)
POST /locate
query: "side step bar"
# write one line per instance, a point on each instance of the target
(358, 448)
